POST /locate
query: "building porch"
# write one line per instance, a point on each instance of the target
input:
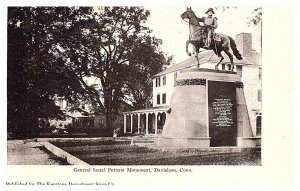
(145, 121)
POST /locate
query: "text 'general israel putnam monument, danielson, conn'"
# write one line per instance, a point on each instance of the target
(198, 105)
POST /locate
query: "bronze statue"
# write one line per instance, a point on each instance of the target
(200, 35)
(210, 23)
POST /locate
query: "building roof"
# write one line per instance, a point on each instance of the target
(148, 110)
(208, 56)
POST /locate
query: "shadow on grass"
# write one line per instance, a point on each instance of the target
(112, 153)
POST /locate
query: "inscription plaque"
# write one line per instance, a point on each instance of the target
(222, 113)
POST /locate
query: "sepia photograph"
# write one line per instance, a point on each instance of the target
(94, 85)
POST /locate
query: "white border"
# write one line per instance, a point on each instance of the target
(296, 70)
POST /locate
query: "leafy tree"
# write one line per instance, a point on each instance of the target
(117, 50)
(256, 17)
(149, 61)
(58, 50)
(35, 75)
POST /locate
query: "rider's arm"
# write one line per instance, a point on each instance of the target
(215, 23)
(201, 19)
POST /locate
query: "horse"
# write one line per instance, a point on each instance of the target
(198, 35)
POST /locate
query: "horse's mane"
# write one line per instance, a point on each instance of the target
(194, 15)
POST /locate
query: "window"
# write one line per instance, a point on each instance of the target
(239, 70)
(158, 82)
(259, 73)
(164, 80)
(158, 99)
(258, 125)
(259, 96)
(164, 98)
(223, 66)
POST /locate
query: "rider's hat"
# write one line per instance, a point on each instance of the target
(210, 9)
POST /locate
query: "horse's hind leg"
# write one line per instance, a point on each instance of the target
(231, 58)
(218, 53)
(198, 63)
(220, 56)
(221, 59)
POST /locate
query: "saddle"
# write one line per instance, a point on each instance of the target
(203, 36)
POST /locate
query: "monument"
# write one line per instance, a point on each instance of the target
(208, 107)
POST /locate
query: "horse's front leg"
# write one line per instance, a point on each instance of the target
(221, 59)
(197, 46)
(187, 47)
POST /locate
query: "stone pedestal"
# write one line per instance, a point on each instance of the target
(208, 109)
(246, 142)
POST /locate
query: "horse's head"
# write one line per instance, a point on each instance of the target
(188, 14)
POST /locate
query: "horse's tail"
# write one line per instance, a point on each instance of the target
(234, 49)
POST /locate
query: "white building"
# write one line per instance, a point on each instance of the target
(249, 68)
(70, 117)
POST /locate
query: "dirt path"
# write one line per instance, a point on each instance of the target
(20, 152)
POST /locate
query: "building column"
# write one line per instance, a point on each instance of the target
(139, 123)
(147, 124)
(131, 122)
(155, 122)
(124, 123)
(164, 120)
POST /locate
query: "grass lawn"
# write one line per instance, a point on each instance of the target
(112, 153)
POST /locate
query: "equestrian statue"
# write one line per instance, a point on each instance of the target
(203, 36)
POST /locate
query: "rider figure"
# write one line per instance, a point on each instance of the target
(210, 23)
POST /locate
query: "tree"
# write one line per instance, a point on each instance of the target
(149, 61)
(34, 74)
(117, 50)
(61, 48)
(256, 17)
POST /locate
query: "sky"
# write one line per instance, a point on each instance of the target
(168, 26)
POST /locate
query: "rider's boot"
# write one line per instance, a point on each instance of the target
(207, 44)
